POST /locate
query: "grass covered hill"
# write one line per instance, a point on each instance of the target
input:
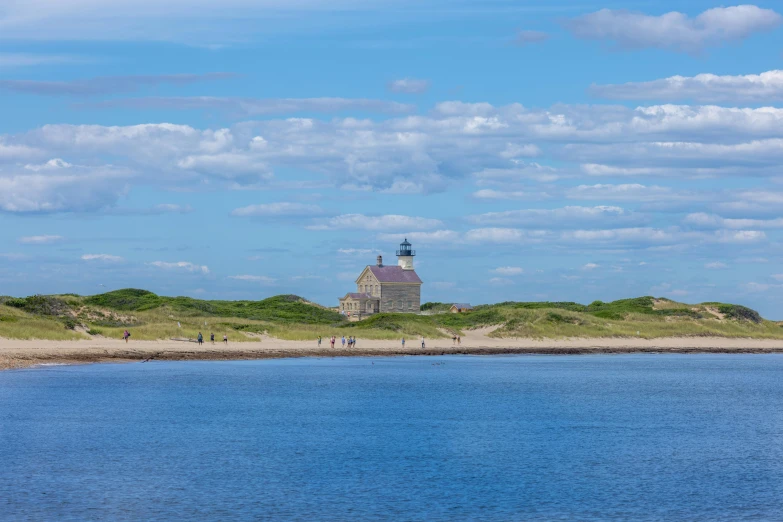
(150, 316)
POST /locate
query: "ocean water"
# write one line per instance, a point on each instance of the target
(631, 437)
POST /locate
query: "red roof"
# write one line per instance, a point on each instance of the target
(394, 274)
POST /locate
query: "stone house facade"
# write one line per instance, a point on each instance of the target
(383, 289)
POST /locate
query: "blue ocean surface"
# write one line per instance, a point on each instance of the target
(629, 437)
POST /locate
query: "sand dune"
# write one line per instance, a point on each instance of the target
(20, 354)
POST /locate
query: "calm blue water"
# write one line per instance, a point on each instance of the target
(647, 437)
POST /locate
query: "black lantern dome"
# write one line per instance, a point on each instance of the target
(405, 249)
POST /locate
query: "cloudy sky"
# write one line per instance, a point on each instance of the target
(529, 149)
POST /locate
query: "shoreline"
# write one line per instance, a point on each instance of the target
(17, 354)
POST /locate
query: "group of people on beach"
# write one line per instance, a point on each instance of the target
(200, 338)
(351, 341)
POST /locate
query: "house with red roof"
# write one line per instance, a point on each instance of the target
(381, 288)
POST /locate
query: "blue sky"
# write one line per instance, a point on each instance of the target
(530, 150)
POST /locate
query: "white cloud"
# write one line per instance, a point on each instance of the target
(500, 281)
(759, 287)
(357, 251)
(102, 257)
(628, 192)
(778, 277)
(437, 236)
(280, 209)
(411, 154)
(264, 280)
(558, 217)
(674, 30)
(702, 88)
(409, 85)
(180, 265)
(496, 235)
(509, 270)
(39, 240)
(715, 265)
(704, 220)
(502, 194)
(521, 171)
(590, 266)
(387, 222)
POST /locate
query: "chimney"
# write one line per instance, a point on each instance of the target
(380, 261)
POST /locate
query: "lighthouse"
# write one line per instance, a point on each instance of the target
(405, 256)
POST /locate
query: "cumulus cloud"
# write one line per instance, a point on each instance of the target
(525, 37)
(180, 265)
(715, 265)
(634, 192)
(509, 270)
(514, 194)
(102, 257)
(264, 280)
(58, 186)
(674, 30)
(411, 154)
(390, 222)
(39, 240)
(497, 235)
(590, 267)
(279, 209)
(104, 84)
(766, 87)
(704, 220)
(438, 236)
(558, 217)
(409, 86)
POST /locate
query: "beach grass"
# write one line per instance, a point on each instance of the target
(151, 317)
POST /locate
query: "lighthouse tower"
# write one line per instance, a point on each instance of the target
(405, 256)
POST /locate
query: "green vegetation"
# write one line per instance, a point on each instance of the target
(150, 316)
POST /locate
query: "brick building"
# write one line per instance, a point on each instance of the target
(381, 288)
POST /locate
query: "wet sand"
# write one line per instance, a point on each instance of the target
(21, 354)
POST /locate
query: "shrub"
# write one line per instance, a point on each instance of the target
(69, 322)
(739, 312)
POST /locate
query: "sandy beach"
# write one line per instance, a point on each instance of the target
(21, 354)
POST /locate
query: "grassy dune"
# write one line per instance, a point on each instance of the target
(150, 317)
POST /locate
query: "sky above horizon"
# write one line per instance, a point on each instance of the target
(529, 150)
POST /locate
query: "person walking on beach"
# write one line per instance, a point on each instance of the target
(403, 342)
(200, 339)
(422, 342)
(225, 338)
(319, 341)
(331, 341)
(454, 340)
(343, 341)
(459, 341)
(125, 335)
(212, 337)
(353, 342)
